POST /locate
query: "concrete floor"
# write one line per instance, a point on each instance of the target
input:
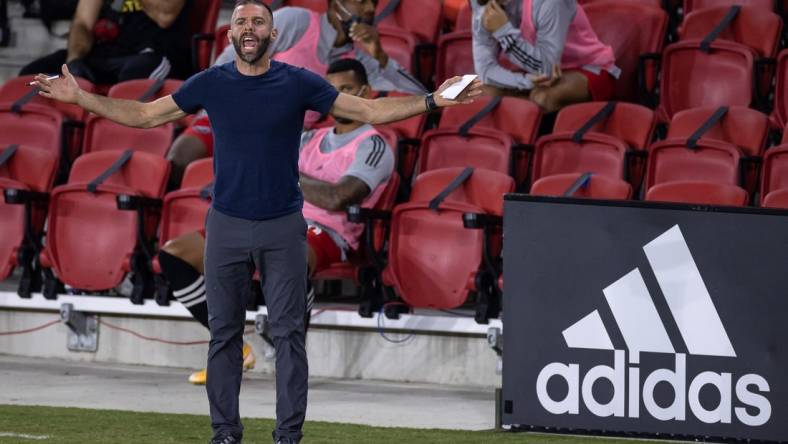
(50, 382)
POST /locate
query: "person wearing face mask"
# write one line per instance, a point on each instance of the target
(344, 165)
(312, 41)
(544, 50)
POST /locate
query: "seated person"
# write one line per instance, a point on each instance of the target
(556, 57)
(348, 164)
(312, 41)
(113, 41)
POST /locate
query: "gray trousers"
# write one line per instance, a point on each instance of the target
(233, 249)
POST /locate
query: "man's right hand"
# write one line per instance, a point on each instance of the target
(64, 89)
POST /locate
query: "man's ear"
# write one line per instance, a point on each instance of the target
(230, 36)
(274, 34)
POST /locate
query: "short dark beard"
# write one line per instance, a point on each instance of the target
(261, 49)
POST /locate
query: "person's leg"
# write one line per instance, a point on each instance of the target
(49, 64)
(143, 66)
(181, 261)
(571, 88)
(282, 261)
(228, 270)
(196, 142)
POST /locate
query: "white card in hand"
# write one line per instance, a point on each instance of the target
(456, 89)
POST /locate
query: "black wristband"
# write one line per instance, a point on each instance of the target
(429, 100)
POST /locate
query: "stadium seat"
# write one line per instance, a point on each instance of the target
(455, 55)
(482, 148)
(632, 124)
(91, 243)
(651, 3)
(15, 88)
(361, 265)
(398, 45)
(775, 173)
(559, 153)
(420, 18)
(184, 210)
(636, 32)
(434, 261)
(149, 90)
(519, 118)
(29, 169)
(694, 78)
(776, 199)
(596, 187)
(464, 18)
(780, 114)
(710, 161)
(753, 27)
(202, 23)
(36, 125)
(692, 5)
(744, 127)
(220, 42)
(103, 134)
(698, 192)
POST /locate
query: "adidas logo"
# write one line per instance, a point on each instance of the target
(633, 309)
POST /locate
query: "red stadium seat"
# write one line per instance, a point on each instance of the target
(399, 46)
(146, 89)
(220, 42)
(482, 148)
(744, 127)
(775, 172)
(632, 124)
(91, 244)
(596, 153)
(185, 209)
(597, 187)
(753, 27)
(433, 260)
(692, 5)
(650, 3)
(698, 192)
(36, 125)
(464, 18)
(455, 55)
(710, 161)
(776, 199)
(693, 78)
(633, 29)
(519, 118)
(420, 18)
(15, 88)
(29, 169)
(103, 134)
(780, 113)
(202, 23)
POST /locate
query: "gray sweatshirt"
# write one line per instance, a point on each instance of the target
(292, 24)
(552, 19)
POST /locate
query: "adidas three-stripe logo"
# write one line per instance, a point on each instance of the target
(636, 316)
(378, 150)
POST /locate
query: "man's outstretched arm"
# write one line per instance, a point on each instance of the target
(126, 112)
(392, 109)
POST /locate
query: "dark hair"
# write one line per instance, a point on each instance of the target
(345, 65)
(254, 2)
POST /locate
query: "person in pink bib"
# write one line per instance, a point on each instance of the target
(545, 50)
(347, 164)
(312, 41)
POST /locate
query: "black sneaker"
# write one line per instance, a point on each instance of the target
(226, 439)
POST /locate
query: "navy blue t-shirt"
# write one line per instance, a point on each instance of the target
(257, 123)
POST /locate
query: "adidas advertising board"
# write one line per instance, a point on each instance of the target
(626, 318)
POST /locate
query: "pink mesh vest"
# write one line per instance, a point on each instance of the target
(330, 167)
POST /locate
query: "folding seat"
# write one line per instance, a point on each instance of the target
(756, 28)
(562, 153)
(780, 113)
(102, 223)
(636, 32)
(698, 192)
(744, 127)
(434, 260)
(34, 125)
(202, 22)
(631, 123)
(586, 185)
(104, 134)
(220, 42)
(148, 90)
(420, 18)
(519, 118)
(184, 210)
(480, 148)
(464, 18)
(362, 266)
(692, 5)
(398, 45)
(26, 177)
(706, 160)
(695, 77)
(455, 55)
(774, 180)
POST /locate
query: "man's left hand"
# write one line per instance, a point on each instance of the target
(368, 38)
(467, 96)
(494, 17)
